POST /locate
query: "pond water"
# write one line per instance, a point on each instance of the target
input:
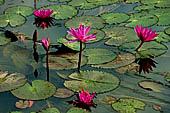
(125, 81)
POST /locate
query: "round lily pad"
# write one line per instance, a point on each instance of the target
(163, 4)
(131, 1)
(128, 105)
(144, 7)
(93, 21)
(119, 35)
(167, 31)
(121, 60)
(73, 45)
(77, 110)
(64, 61)
(13, 19)
(58, 0)
(149, 1)
(163, 19)
(63, 93)
(39, 90)
(99, 35)
(20, 10)
(99, 55)
(50, 110)
(3, 39)
(115, 18)
(162, 37)
(143, 19)
(93, 81)
(11, 81)
(62, 11)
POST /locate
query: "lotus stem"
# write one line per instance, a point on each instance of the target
(47, 67)
(139, 46)
(80, 54)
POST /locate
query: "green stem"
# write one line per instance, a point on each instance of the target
(80, 54)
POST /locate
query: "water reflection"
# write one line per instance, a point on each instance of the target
(44, 22)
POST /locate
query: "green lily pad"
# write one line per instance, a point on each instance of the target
(3, 39)
(50, 110)
(162, 37)
(163, 4)
(77, 110)
(58, 0)
(93, 21)
(167, 31)
(149, 1)
(115, 18)
(64, 61)
(144, 7)
(128, 105)
(39, 90)
(163, 19)
(132, 1)
(2, 2)
(121, 60)
(61, 11)
(11, 81)
(20, 10)
(93, 81)
(99, 35)
(13, 19)
(16, 112)
(73, 45)
(99, 55)
(119, 35)
(143, 19)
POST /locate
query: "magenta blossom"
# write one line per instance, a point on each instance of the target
(46, 44)
(144, 34)
(43, 13)
(81, 33)
(85, 100)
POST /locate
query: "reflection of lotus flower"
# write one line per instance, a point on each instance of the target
(46, 43)
(144, 35)
(146, 64)
(44, 22)
(85, 100)
(80, 34)
(43, 13)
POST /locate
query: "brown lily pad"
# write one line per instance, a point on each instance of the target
(108, 99)
(23, 104)
(63, 93)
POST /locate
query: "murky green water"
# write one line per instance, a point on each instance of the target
(151, 89)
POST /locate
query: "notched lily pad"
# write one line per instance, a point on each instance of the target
(50, 110)
(62, 11)
(115, 18)
(77, 110)
(144, 7)
(119, 35)
(93, 21)
(99, 35)
(167, 31)
(99, 55)
(162, 37)
(20, 10)
(63, 93)
(119, 61)
(64, 61)
(128, 105)
(39, 90)
(93, 81)
(11, 81)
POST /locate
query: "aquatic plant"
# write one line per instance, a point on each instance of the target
(43, 13)
(144, 35)
(46, 44)
(80, 35)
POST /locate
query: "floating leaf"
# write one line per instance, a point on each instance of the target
(99, 35)
(13, 19)
(2, 2)
(144, 7)
(16, 112)
(74, 45)
(119, 61)
(149, 1)
(3, 39)
(163, 4)
(164, 19)
(133, 67)
(99, 55)
(58, 0)
(77, 110)
(22, 104)
(132, 1)
(11, 81)
(20, 10)
(156, 107)
(50, 110)
(93, 81)
(93, 21)
(162, 37)
(167, 31)
(128, 105)
(63, 93)
(115, 18)
(143, 19)
(108, 99)
(39, 90)
(62, 11)
(64, 61)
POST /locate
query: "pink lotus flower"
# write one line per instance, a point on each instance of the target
(46, 43)
(144, 34)
(43, 13)
(80, 34)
